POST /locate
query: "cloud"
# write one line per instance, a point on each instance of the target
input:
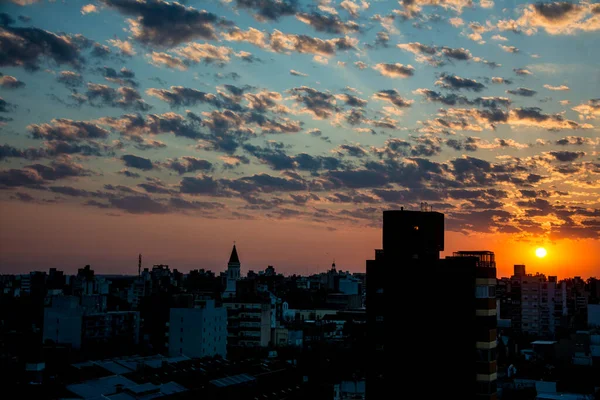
(556, 88)
(455, 82)
(395, 70)
(137, 162)
(67, 130)
(351, 100)
(123, 77)
(441, 55)
(297, 73)
(327, 23)
(10, 82)
(24, 47)
(181, 96)
(361, 65)
(129, 174)
(499, 38)
(266, 10)
(413, 8)
(522, 92)
(139, 205)
(589, 110)
(205, 52)
(321, 59)
(36, 174)
(509, 49)
(558, 18)
(163, 59)
(123, 97)
(165, 24)
(252, 36)
(497, 79)
(354, 8)
(124, 46)
(321, 105)
(70, 79)
(522, 71)
(88, 9)
(567, 156)
(188, 164)
(182, 204)
(100, 51)
(280, 42)
(199, 185)
(392, 96)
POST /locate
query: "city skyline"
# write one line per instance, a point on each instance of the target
(288, 127)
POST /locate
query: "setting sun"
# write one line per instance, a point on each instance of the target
(541, 252)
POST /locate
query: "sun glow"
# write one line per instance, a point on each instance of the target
(541, 252)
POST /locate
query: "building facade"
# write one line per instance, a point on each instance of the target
(198, 332)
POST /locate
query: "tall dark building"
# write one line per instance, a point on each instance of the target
(424, 316)
(399, 316)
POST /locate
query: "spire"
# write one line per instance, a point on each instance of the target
(234, 256)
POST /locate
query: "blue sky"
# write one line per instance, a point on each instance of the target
(321, 113)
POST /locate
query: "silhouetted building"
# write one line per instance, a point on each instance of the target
(233, 274)
(412, 241)
(430, 333)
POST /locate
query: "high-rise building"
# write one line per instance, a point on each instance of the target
(412, 241)
(468, 273)
(425, 316)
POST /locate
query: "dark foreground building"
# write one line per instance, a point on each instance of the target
(431, 327)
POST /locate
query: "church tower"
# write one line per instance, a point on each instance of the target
(233, 274)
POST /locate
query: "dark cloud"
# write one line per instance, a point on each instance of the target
(37, 174)
(522, 92)
(188, 164)
(264, 183)
(327, 23)
(123, 77)
(357, 179)
(199, 185)
(5, 106)
(100, 51)
(181, 204)
(392, 96)
(25, 47)
(572, 140)
(7, 151)
(269, 9)
(70, 79)
(124, 97)
(19, 177)
(137, 162)
(129, 174)
(322, 105)
(395, 70)
(454, 82)
(567, 156)
(67, 130)
(167, 24)
(181, 96)
(139, 205)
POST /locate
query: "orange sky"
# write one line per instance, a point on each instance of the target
(68, 237)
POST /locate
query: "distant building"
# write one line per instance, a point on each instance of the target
(233, 274)
(198, 332)
(67, 321)
(248, 324)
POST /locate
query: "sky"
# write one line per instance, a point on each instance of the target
(174, 129)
